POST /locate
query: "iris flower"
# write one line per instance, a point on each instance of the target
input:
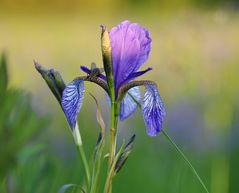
(125, 48)
(130, 45)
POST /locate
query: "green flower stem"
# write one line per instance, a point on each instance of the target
(79, 145)
(113, 138)
(95, 177)
(113, 130)
(108, 184)
(97, 167)
(108, 67)
(85, 164)
(185, 159)
(111, 172)
(112, 135)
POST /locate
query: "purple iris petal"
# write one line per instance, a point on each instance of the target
(128, 105)
(72, 99)
(153, 110)
(85, 69)
(88, 71)
(130, 45)
(136, 74)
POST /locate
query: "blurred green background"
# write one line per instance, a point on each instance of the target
(195, 57)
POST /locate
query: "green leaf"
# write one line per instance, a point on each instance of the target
(66, 187)
(124, 155)
(30, 152)
(185, 159)
(99, 149)
(3, 74)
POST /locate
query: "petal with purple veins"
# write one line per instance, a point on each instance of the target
(130, 103)
(72, 99)
(153, 110)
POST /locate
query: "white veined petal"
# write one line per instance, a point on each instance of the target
(72, 99)
(153, 110)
